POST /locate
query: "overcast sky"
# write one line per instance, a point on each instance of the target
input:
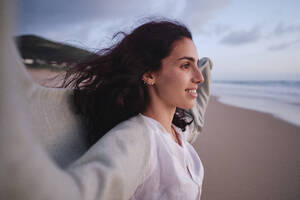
(257, 39)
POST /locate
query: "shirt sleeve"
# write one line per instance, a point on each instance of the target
(111, 169)
(151, 169)
(115, 166)
(199, 109)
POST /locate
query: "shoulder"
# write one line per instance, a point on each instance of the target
(131, 132)
(119, 159)
(129, 140)
(134, 136)
(132, 128)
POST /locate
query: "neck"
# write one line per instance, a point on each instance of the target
(161, 113)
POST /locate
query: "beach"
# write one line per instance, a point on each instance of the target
(246, 154)
(46, 77)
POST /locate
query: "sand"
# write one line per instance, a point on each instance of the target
(248, 155)
(46, 77)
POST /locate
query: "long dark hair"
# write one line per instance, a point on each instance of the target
(108, 87)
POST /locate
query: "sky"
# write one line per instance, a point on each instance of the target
(246, 40)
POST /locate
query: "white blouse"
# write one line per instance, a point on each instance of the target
(174, 171)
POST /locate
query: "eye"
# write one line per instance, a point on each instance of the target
(185, 65)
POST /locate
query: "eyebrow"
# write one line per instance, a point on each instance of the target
(192, 59)
(187, 58)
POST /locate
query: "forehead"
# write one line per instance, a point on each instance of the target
(183, 48)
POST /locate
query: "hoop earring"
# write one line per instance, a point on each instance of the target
(145, 83)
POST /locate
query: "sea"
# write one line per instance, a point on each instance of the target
(278, 98)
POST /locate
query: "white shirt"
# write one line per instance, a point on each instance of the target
(174, 171)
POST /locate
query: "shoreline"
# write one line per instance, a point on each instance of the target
(287, 112)
(248, 155)
(278, 98)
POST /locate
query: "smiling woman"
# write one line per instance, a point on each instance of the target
(178, 77)
(149, 79)
(109, 87)
(134, 99)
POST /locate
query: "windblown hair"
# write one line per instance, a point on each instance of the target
(108, 86)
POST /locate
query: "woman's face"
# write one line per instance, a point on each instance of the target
(176, 82)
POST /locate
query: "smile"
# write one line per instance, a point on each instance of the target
(192, 92)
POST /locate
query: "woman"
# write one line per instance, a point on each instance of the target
(138, 156)
(138, 91)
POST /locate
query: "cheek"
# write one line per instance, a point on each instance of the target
(172, 84)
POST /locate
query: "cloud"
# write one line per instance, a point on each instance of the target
(220, 29)
(282, 29)
(35, 14)
(288, 31)
(283, 45)
(215, 30)
(279, 47)
(240, 37)
(92, 19)
(200, 12)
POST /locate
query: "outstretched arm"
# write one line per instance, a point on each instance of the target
(26, 169)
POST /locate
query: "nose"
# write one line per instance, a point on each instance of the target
(198, 76)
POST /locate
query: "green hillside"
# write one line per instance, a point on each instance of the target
(45, 53)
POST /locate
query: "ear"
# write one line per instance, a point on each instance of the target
(148, 78)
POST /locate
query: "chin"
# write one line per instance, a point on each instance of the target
(187, 106)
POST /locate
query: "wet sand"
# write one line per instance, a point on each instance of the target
(248, 155)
